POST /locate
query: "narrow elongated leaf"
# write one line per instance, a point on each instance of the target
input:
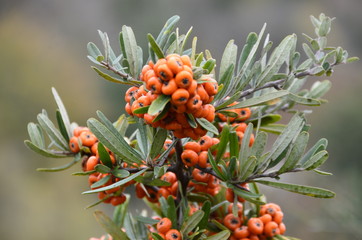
(245, 149)
(158, 141)
(296, 152)
(130, 46)
(226, 81)
(319, 146)
(114, 141)
(101, 182)
(215, 167)
(63, 113)
(104, 155)
(318, 89)
(278, 57)
(156, 49)
(259, 144)
(52, 131)
(233, 144)
(228, 57)
(250, 41)
(44, 152)
(207, 125)
(273, 128)
(146, 220)
(142, 140)
(267, 119)
(159, 104)
(223, 235)
(36, 135)
(171, 212)
(120, 173)
(248, 196)
(304, 100)
(224, 139)
(116, 184)
(93, 50)
(262, 100)
(290, 132)
(191, 222)
(61, 168)
(305, 190)
(61, 126)
(156, 236)
(317, 160)
(206, 208)
(114, 79)
(248, 167)
(167, 30)
(110, 226)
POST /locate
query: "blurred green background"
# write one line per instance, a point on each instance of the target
(43, 45)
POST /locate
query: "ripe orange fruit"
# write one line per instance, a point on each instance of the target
(232, 222)
(173, 234)
(180, 96)
(256, 226)
(189, 158)
(74, 145)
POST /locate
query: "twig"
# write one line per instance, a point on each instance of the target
(121, 74)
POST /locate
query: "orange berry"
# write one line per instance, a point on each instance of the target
(186, 60)
(282, 228)
(74, 145)
(266, 218)
(149, 74)
(194, 103)
(255, 226)
(200, 90)
(271, 229)
(78, 130)
(115, 201)
(163, 192)
(211, 86)
(241, 232)
(205, 143)
(183, 79)
(87, 138)
(167, 144)
(154, 85)
(189, 158)
(193, 146)
(164, 225)
(239, 207)
(164, 73)
(180, 96)
(130, 93)
(200, 176)
(203, 156)
(169, 87)
(128, 109)
(243, 114)
(173, 234)
(229, 195)
(232, 222)
(140, 192)
(278, 217)
(175, 64)
(169, 177)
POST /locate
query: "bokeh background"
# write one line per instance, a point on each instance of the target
(43, 45)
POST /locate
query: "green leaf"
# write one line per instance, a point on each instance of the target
(61, 126)
(248, 167)
(113, 79)
(304, 100)
(317, 160)
(352, 59)
(234, 144)
(131, 52)
(156, 236)
(36, 135)
(273, 128)
(158, 141)
(191, 222)
(61, 168)
(167, 30)
(250, 41)
(120, 173)
(319, 146)
(114, 141)
(141, 110)
(120, 212)
(296, 153)
(110, 226)
(228, 57)
(104, 155)
(159, 104)
(215, 167)
(93, 50)
(289, 133)
(146, 220)
(224, 139)
(245, 149)
(304, 190)
(266, 119)
(206, 208)
(318, 89)
(116, 184)
(223, 235)
(248, 196)
(142, 139)
(226, 81)
(277, 58)
(309, 52)
(52, 131)
(207, 125)
(209, 65)
(171, 211)
(102, 168)
(259, 144)
(322, 172)
(264, 99)
(156, 49)
(191, 120)
(63, 114)
(101, 182)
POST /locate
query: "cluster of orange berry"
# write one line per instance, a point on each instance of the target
(173, 76)
(268, 224)
(165, 230)
(84, 139)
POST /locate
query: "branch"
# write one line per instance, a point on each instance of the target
(274, 174)
(121, 74)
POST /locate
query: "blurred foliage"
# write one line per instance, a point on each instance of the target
(43, 44)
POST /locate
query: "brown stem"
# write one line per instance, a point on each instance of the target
(121, 74)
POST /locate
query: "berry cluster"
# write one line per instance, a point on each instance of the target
(173, 76)
(268, 224)
(165, 230)
(84, 140)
